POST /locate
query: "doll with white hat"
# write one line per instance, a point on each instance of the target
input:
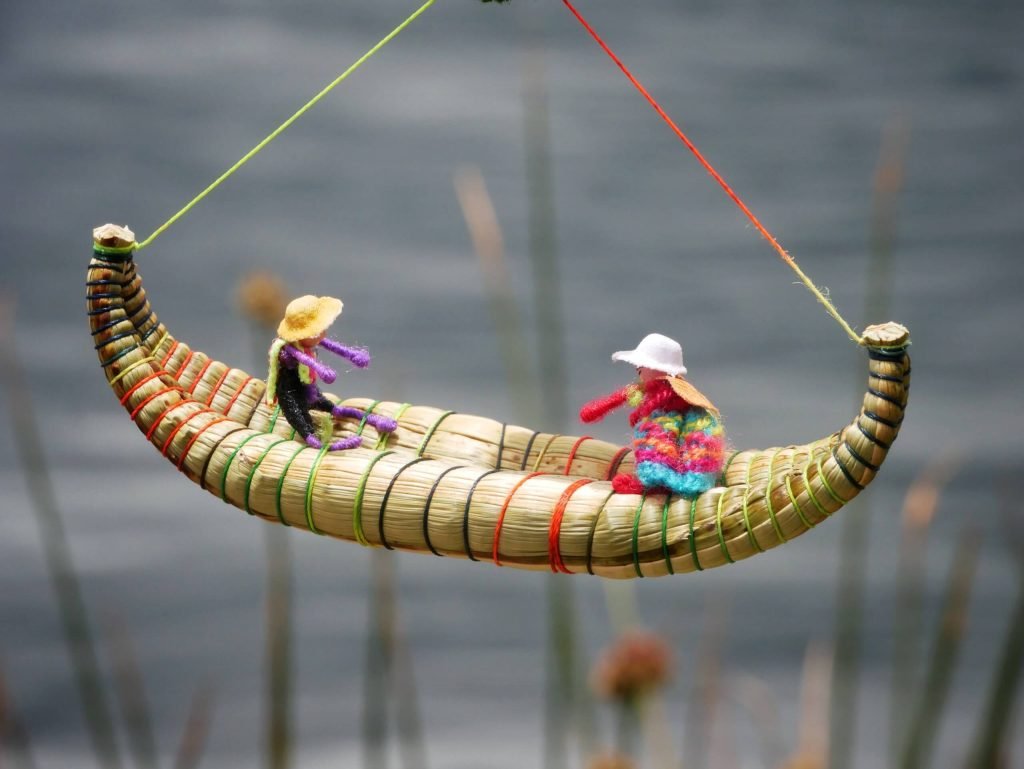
(294, 370)
(678, 441)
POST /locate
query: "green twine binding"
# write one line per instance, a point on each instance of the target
(721, 534)
(309, 488)
(593, 532)
(746, 521)
(693, 539)
(810, 491)
(727, 465)
(280, 129)
(383, 439)
(664, 535)
(227, 466)
(280, 485)
(121, 253)
(768, 498)
(636, 537)
(792, 498)
(273, 417)
(252, 472)
(357, 505)
(544, 452)
(827, 485)
(431, 431)
(366, 416)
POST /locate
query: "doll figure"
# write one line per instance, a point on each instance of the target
(678, 441)
(294, 370)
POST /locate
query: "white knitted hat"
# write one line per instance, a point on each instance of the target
(655, 351)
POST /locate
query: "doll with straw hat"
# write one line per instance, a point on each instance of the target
(294, 370)
(678, 441)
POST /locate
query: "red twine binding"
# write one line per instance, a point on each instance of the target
(555, 532)
(501, 515)
(199, 376)
(191, 443)
(613, 467)
(572, 453)
(217, 386)
(682, 137)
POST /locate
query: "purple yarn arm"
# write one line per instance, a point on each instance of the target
(323, 371)
(359, 357)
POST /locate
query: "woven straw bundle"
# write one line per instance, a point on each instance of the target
(467, 486)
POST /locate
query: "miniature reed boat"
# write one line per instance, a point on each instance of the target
(464, 486)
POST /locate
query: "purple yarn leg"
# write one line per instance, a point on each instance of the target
(313, 442)
(382, 423)
(340, 412)
(346, 443)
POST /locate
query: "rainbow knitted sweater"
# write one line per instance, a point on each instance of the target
(677, 447)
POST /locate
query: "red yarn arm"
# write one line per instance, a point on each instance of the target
(597, 408)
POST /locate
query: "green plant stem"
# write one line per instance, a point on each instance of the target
(131, 696)
(197, 728)
(849, 634)
(990, 742)
(628, 728)
(547, 290)
(13, 735)
(946, 647)
(279, 641)
(279, 618)
(67, 590)
(379, 661)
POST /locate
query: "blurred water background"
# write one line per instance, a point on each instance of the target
(121, 111)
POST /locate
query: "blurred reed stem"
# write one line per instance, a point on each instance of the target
(131, 695)
(854, 536)
(389, 675)
(262, 299)
(279, 632)
(379, 661)
(990, 747)
(566, 680)
(919, 508)
(67, 590)
(14, 739)
(756, 697)
(705, 694)
(488, 243)
(197, 728)
(945, 649)
(628, 727)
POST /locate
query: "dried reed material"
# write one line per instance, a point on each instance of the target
(212, 422)
(262, 298)
(815, 699)
(919, 507)
(924, 723)
(72, 611)
(197, 728)
(993, 735)
(14, 739)
(131, 695)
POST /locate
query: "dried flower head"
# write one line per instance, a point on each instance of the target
(262, 297)
(611, 761)
(638, 662)
(803, 761)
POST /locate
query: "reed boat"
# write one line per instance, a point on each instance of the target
(465, 486)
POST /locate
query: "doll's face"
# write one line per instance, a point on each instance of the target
(649, 374)
(313, 341)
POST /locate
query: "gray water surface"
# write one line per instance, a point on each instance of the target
(121, 111)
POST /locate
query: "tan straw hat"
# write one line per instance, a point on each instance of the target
(655, 351)
(308, 316)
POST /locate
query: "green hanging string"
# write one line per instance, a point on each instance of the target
(280, 129)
